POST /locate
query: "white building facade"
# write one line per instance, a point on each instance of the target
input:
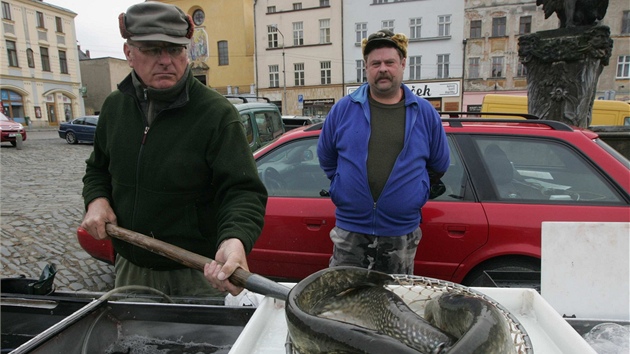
(39, 71)
(298, 54)
(435, 52)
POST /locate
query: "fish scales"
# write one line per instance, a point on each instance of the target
(380, 309)
(479, 325)
(398, 324)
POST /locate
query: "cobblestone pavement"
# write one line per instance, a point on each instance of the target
(41, 207)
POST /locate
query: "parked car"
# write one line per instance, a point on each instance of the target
(80, 129)
(505, 178)
(292, 122)
(9, 129)
(260, 118)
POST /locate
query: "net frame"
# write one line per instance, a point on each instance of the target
(416, 291)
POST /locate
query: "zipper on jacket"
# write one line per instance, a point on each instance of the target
(135, 202)
(374, 218)
(144, 136)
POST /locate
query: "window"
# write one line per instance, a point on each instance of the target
(623, 66)
(93, 121)
(298, 33)
(40, 20)
(414, 67)
(324, 31)
(247, 127)
(541, 170)
(45, 59)
(497, 67)
(475, 29)
(299, 74)
(525, 25)
(58, 24)
(271, 9)
(388, 25)
(269, 124)
(361, 77)
(473, 68)
(625, 23)
(274, 76)
(300, 171)
(297, 6)
(324, 3)
(498, 27)
(415, 25)
(12, 53)
(360, 30)
(325, 72)
(272, 36)
(444, 25)
(30, 58)
(63, 62)
(222, 50)
(6, 10)
(442, 64)
(521, 70)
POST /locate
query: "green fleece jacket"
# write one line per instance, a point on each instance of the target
(189, 179)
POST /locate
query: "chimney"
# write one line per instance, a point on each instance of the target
(87, 53)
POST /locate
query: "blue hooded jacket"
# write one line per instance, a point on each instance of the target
(343, 149)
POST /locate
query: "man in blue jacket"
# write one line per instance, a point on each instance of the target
(377, 147)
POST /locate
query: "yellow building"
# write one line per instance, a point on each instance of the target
(39, 74)
(222, 50)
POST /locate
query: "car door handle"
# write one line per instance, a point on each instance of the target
(314, 223)
(456, 231)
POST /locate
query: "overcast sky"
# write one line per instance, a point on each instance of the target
(97, 24)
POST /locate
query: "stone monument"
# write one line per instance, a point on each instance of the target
(563, 65)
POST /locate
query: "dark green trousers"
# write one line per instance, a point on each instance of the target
(179, 282)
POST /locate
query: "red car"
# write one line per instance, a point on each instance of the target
(9, 129)
(506, 177)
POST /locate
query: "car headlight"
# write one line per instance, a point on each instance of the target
(20, 127)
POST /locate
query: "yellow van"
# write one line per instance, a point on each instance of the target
(605, 112)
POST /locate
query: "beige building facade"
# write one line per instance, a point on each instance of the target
(222, 47)
(40, 78)
(614, 81)
(491, 61)
(100, 76)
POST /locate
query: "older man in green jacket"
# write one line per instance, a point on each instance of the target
(171, 161)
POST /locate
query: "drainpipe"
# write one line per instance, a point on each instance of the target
(343, 65)
(255, 51)
(463, 75)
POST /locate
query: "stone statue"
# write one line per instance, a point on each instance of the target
(575, 12)
(563, 65)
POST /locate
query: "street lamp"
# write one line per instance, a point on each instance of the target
(284, 75)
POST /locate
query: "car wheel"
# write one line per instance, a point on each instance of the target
(477, 277)
(71, 138)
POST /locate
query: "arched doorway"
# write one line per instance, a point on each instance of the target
(60, 107)
(51, 110)
(12, 103)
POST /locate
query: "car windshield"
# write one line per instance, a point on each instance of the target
(4, 118)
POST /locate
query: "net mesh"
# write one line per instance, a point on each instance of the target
(416, 291)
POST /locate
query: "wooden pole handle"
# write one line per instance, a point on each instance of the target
(240, 277)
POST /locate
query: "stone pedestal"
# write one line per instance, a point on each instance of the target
(563, 67)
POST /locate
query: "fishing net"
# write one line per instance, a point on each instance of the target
(417, 292)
